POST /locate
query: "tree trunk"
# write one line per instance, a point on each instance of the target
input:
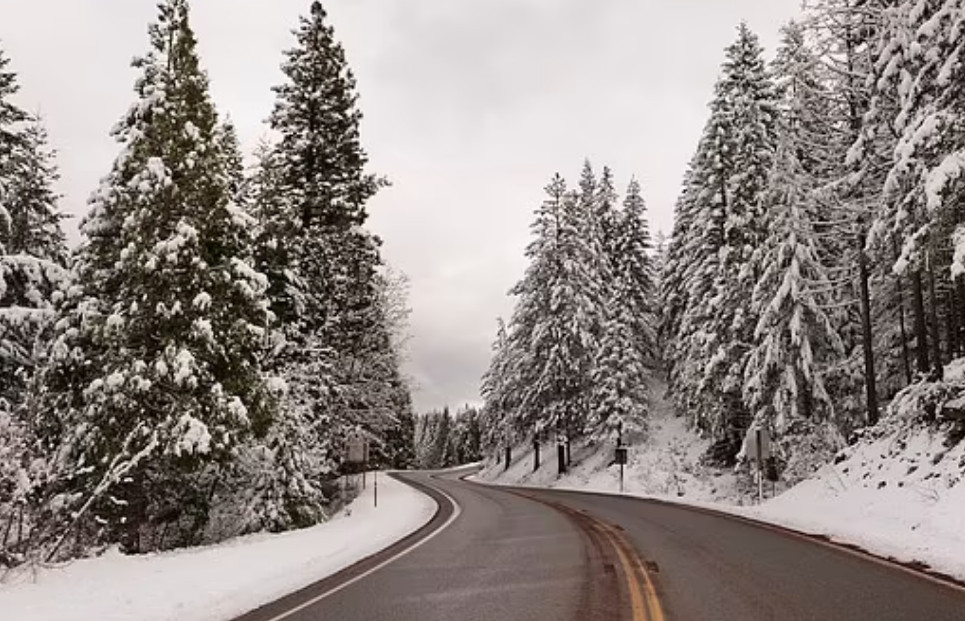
(871, 390)
(959, 287)
(921, 337)
(905, 357)
(936, 346)
(951, 329)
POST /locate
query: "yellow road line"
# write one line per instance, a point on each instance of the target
(637, 599)
(648, 594)
(644, 602)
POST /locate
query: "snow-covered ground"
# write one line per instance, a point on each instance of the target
(216, 582)
(665, 466)
(898, 494)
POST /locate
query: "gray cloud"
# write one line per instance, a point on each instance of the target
(469, 107)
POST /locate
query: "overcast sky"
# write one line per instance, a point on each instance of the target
(470, 106)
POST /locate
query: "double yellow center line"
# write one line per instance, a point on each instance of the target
(644, 603)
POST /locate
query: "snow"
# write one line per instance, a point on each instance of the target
(216, 582)
(900, 494)
(195, 437)
(665, 465)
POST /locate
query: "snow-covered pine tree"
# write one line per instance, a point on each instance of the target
(557, 318)
(154, 377)
(465, 439)
(917, 69)
(634, 265)
(33, 255)
(626, 351)
(794, 337)
(620, 370)
(595, 260)
(526, 395)
(676, 276)
(11, 115)
(321, 263)
(500, 392)
(845, 32)
(722, 196)
(606, 215)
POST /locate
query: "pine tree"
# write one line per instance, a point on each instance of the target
(500, 392)
(794, 336)
(634, 266)
(323, 179)
(620, 369)
(917, 69)
(154, 378)
(32, 273)
(33, 256)
(11, 116)
(528, 393)
(721, 203)
(627, 343)
(558, 316)
(322, 265)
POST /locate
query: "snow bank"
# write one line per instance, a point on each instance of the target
(897, 493)
(216, 582)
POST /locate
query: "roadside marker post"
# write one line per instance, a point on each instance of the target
(621, 453)
(760, 466)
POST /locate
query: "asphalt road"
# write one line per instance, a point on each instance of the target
(509, 555)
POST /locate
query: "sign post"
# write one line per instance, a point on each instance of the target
(757, 446)
(621, 456)
(760, 465)
(357, 452)
(535, 452)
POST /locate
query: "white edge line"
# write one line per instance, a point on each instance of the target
(455, 514)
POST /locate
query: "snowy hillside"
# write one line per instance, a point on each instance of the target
(897, 492)
(665, 465)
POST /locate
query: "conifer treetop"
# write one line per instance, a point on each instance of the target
(317, 115)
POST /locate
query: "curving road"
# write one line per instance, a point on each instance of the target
(515, 554)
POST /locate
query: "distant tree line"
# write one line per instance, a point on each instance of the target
(443, 440)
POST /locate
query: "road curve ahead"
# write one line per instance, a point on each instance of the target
(546, 555)
(712, 567)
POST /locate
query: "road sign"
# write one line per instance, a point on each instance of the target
(621, 455)
(356, 450)
(757, 449)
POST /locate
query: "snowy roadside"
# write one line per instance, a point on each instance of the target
(217, 582)
(905, 529)
(910, 526)
(902, 496)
